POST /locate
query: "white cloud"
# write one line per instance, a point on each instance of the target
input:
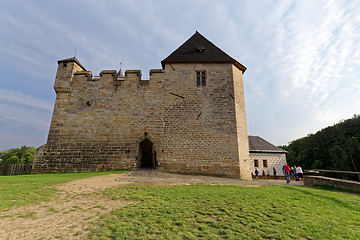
(24, 100)
(20, 118)
(302, 56)
(308, 76)
(24, 120)
(10, 140)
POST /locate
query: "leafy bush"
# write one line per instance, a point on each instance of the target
(18, 155)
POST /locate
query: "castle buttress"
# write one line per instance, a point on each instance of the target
(189, 117)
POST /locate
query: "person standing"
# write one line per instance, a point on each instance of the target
(294, 173)
(263, 174)
(299, 173)
(274, 172)
(287, 172)
(256, 173)
(283, 169)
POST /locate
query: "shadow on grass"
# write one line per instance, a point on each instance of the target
(304, 190)
(334, 189)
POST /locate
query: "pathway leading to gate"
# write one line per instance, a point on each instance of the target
(150, 175)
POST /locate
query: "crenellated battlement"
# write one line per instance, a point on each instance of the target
(87, 74)
(65, 73)
(173, 121)
(71, 69)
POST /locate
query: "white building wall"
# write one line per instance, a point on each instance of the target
(276, 160)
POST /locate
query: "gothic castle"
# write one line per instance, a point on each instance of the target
(189, 117)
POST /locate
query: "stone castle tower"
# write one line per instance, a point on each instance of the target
(189, 117)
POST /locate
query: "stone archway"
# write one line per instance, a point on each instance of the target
(147, 155)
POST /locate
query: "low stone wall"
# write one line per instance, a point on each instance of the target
(338, 183)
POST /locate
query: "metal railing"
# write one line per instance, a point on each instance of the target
(346, 175)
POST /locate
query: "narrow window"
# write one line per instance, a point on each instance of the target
(256, 163)
(200, 78)
(265, 163)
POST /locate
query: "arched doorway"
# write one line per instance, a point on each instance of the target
(147, 154)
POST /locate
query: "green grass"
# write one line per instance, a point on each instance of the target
(231, 212)
(30, 215)
(78, 233)
(202, 211)
(27, 189)
(331, 188)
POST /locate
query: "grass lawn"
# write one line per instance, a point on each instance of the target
(232, 212)
(27, 189)
(204, 211)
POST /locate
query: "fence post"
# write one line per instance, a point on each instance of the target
(9, 169)
(15, 169)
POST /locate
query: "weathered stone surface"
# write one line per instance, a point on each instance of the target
(99, 123)
(337, 183)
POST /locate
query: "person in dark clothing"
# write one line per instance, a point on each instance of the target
(256, 173)
(274, 172)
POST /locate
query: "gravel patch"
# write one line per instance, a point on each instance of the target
(150, 175)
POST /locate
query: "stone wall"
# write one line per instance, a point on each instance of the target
(200, 130)
(99, 122)
(241, 125)
(337, 183)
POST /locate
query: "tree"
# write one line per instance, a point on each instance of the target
(339, 158)
(318, 150)
(14, 160)
(18, 155)
(353, 148)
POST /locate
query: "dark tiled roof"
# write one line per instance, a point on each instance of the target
(198, 49)
(74, 59)
(257, 144)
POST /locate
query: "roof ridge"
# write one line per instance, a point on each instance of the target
(258, 144)
(199, 49)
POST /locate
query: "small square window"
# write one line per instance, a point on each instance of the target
(200, 78)
(256, 163)
(265, 163)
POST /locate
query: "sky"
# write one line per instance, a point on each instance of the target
(302, 57)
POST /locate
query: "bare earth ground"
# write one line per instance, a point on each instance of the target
(79, 203)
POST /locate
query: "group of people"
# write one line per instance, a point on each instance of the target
(296, 172)
(256, 175)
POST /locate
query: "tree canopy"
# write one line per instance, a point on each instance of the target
(18, 155)
(336, 147)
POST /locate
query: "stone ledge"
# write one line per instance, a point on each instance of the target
(112, 72)
(156, 71)
(88, 74)
(137, 72)
(62, 89)
(338, 183)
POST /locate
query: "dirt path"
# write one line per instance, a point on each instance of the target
(79, 203)
(68, 216)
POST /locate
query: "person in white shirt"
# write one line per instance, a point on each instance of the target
(299, 172)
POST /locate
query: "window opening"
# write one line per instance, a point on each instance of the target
(265, 163)
(256, 163)
(200, 78)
